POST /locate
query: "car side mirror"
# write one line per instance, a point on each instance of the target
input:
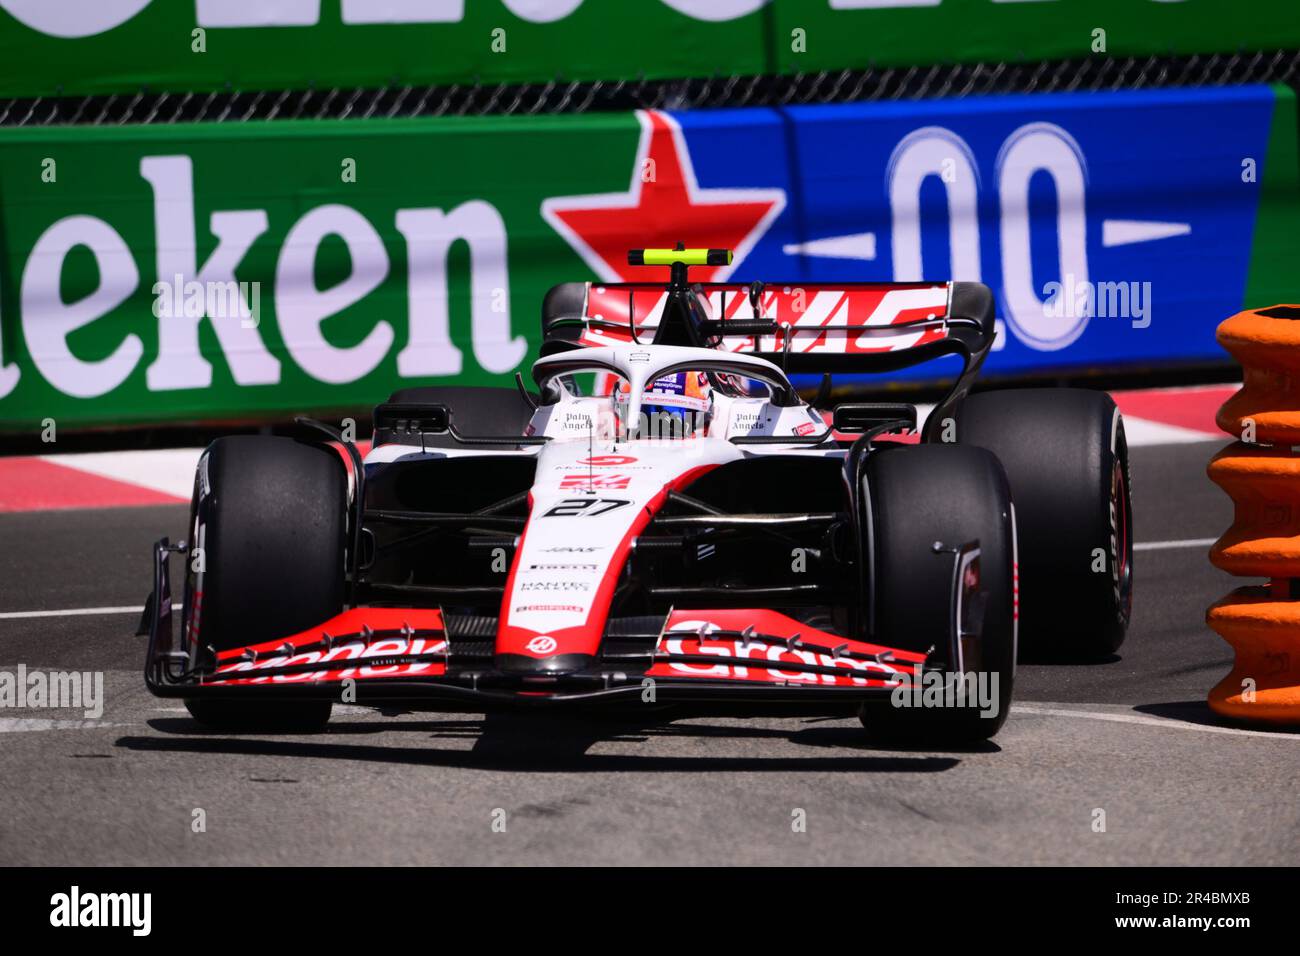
(412, 418)
(858, 418)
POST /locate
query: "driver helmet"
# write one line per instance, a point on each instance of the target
(679, 405)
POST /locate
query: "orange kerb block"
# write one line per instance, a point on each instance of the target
(1264, 485)
(1267, 344)
(1261, 474)
(1263, 631)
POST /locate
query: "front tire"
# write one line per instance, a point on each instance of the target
(920, 495)
(270, 515)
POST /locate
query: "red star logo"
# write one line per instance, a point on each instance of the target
(663, 206)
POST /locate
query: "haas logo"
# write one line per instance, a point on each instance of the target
(542, 644)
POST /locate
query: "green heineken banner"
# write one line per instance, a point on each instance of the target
(319, 264)
(107, 46)
(245, 271)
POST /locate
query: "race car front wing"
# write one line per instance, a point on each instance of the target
(412, 656)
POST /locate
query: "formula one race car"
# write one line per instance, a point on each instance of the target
(664, 522)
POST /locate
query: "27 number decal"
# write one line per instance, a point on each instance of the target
(585, 507)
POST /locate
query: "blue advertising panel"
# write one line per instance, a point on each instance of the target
(1115, 229)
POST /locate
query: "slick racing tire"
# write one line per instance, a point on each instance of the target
(919, 496)
(270, 515)
(1066, 460)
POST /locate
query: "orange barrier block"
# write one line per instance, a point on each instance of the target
(1267, 344)
(1264, 485)
(1264, 684)
(1261, 474)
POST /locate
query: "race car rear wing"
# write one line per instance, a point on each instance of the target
(808, 327)
(863, 328)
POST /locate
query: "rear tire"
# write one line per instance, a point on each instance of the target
(270, 515)
(1066, 460)
(920, 495)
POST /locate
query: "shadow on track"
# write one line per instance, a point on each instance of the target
(528, 743)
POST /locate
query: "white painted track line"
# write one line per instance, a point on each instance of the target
(89, 611)
(17, 725)
(1169, 545)
(69, 612)
(1140, 432)
(1048, 710)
